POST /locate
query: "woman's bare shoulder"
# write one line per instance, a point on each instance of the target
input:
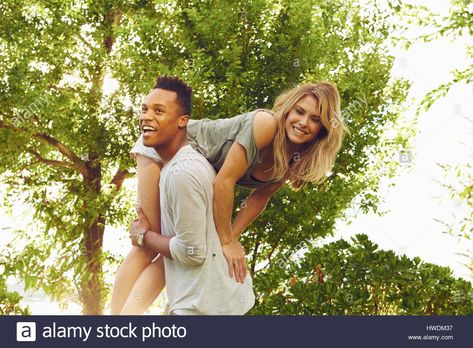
(265, 128)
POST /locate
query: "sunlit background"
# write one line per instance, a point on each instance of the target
(418, 207)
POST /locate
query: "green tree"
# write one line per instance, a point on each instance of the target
(10, 301)
(458, 23)
(459, 183)
(65, 142)
(358, 279)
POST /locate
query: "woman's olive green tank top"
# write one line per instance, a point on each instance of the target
(213, 139)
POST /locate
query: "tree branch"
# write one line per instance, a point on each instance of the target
(62, 89)
(274, 248)
(50, 162)
(77, 164)
(60, 146)
(119, 178)
(112, 19)
(87, 43)
(32, 164)
(253, 261)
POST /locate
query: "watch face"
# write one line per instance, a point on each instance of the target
(139, 239)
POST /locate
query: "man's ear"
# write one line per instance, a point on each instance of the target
(183, 120)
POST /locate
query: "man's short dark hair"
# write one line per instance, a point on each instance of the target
(183, 91)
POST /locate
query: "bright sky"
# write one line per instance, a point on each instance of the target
(445, 136)
(418, 198)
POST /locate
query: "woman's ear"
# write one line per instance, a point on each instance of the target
(183, 120)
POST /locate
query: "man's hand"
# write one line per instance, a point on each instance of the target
(141, 224)
(235, 255)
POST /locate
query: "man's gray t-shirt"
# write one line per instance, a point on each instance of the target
(197, 280)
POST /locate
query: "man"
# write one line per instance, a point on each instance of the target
(197, 281)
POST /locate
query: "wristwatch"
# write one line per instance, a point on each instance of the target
(140, 238)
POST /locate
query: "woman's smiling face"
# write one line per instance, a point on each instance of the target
(303, 121)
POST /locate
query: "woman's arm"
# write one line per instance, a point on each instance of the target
(253, 206)
(233, 168)
(264, 128)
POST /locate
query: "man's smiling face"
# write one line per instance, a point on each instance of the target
(159, 118)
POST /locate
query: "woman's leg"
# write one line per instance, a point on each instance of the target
(148, 286)
(138, 259)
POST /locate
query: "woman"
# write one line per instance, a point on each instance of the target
(262, 150)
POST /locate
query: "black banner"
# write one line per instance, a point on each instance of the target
(218, 331)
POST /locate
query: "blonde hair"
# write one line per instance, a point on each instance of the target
(318, 156)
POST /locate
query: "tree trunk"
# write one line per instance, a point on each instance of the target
(92, 284)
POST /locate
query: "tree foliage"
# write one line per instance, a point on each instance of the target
(65, 141)
(359, 279)
(458, 23)
(454, 25)
(10, 301)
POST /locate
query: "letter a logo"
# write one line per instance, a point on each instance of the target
(26, 331)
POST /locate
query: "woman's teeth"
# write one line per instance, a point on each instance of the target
(298, 131)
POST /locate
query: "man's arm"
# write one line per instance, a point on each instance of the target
(152, 240)
(189, 209)
(158, 243)
(255, 204)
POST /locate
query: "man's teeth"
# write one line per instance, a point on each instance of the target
(298, 131)
(148, 128)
